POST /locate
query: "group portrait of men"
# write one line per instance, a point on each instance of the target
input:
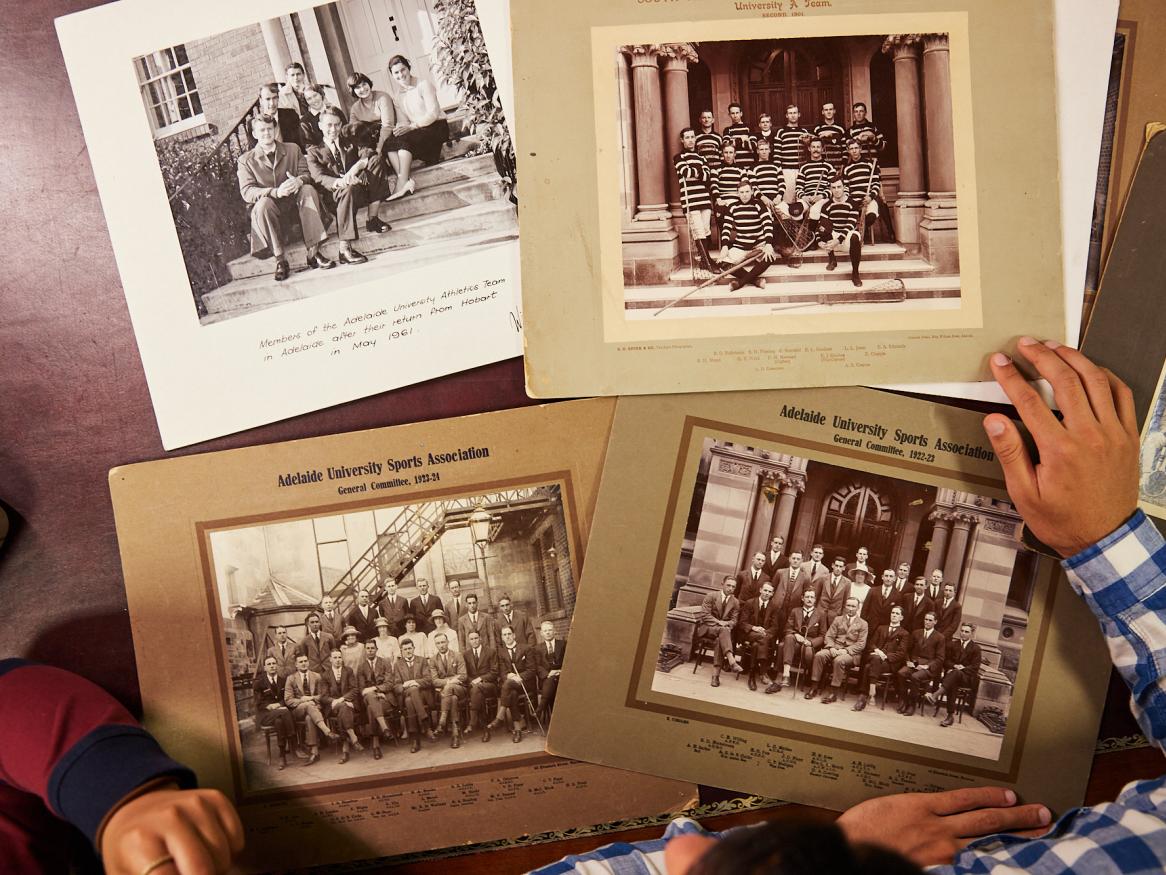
(307, 162)
(393, 668)
(793, 612)
(764, 193)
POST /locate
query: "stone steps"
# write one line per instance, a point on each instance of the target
(815, 270)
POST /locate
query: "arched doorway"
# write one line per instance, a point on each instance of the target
(776, 73)
(857, 515)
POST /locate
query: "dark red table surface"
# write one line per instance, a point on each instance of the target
(74, 404)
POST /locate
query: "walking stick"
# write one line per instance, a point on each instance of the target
(801, 669)
(533, 709)
(753, 255)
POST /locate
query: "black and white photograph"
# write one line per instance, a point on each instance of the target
(802, 175)
(327, 147)
(810, 592)
(394, 639)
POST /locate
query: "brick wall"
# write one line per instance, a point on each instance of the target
(228, 69)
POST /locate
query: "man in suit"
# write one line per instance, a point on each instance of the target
(423, 606)
(394, 608)
(441, 627)
(482, 672)
(775, 558)
(302, 693)
(375, 685)
(475, 621)
(962, 668)
(717, 617)
(915, 605)
(749, 580)
(805, 631)
(860, 561)
(924, 664)
(287, 120)
(834, 591)
(888, 653)
(790, 583)
(412, 681)
(843, 647)
(516, 668)
(363, 617)
(316, 645)
(291, 95)
(948, 613)
(758, 626)
(339, 698)
(876, 610)
(816, 568)
(455, 605)
(902, 580)
(449, 683)
(510, 616)
(330, 619)
(270, 710)
(548, 666)
(284, 651)
(352, 176)
(935, 587)
(274, 180)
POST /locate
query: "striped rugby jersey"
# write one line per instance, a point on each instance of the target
(768, 180)
(789, 147)
(695, 181)
(746, 225)
(858, 176)
(770, 138)
(869, 150)
(832, 149)
(709, 147)
(843, 217)
(743, 142)
(814, 179)
(726, 180)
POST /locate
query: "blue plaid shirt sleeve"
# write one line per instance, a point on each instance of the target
(1123, 580)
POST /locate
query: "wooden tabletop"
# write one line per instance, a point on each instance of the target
(75, 404)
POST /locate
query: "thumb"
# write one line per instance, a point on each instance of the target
(1019, 475)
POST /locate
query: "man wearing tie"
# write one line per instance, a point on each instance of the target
(877, 608)
(316, 645)
(749, 580)
(775, 559)
(482, 671)
(330, 619)
(758, 627)
(805, 630)
(455, 605)
(963, 669)
(270, 709)
(516, 620)
(843, 648)
(948, 613)
(394, 608)
(413, 679)
(284, 651)
(475, 621)
(902, 586)
(548, 666)
(935, 588)
(339, 696)
(860, 561)
(302, 694)
(441, 627)
(353, 176)
(449, 681)
(789, 585)
(374, 681)
(834, 592)
(924, 663)
(916, 605)
(517, 670)
(887, 654)
(363, 617)
(816, 568)
(423, 606)
(718, 615)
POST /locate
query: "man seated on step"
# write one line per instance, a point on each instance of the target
(274, 180)
(863, 178)
(887, 654)
(961, 667)
(353, 176)
(287, 121)
(842, 648)
(838, 230)
(747, 226)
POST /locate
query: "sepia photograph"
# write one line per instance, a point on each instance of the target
(815, 593)
(327, 147)
(427, 636)
(1153, 456)
(788, 175)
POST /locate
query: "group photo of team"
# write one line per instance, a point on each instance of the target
(322, 148)
(793, 173)
(395, 639)
(836, 597)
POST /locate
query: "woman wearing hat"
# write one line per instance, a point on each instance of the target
(352, 649)
(440, 624)
(860, 585)
(420, 639)
(388, 647)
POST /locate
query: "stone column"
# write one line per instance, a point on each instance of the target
(960, 530)
(677, 117)
(790, 487)
(277, 49)
(909, 117)
(939, 535)
(762, 521)
(939, 230)
(336, 50)
(626, 136)
(650, 160)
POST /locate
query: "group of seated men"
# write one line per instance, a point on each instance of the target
(755, 183)
(392, 688)
(306, 161)
(786, 613)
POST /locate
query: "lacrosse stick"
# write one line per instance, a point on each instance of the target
(753, 255)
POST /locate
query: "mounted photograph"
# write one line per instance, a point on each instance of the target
(788, 175)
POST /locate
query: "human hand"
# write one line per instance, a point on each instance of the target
(1086, 483)
(930, 828)
(401, 129)
(769, 254)
(197, 829)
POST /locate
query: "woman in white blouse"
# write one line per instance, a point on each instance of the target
(421, 128)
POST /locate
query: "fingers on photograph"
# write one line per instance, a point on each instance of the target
(327, 147)
(394, 640)
(837, 597)
(788, 175)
